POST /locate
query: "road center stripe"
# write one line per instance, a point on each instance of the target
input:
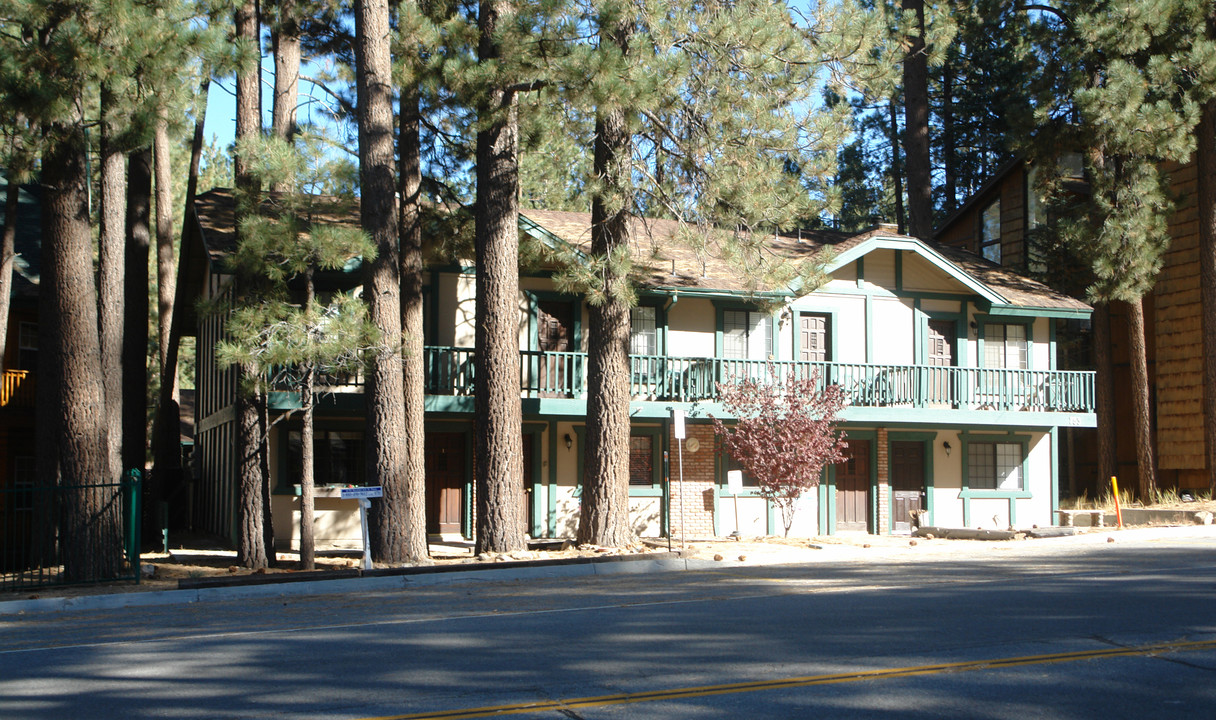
(806, 681)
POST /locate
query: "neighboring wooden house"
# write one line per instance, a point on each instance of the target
(1172, 324)
(949, 363)
(17, 459)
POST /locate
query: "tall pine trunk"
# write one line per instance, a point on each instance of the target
(897, 175)
(286, 40)
(381, 288)
(1142, 418)
(90, 517)
(166, 260)
(308, 538)
(253, 547)
(135, 324)
(604, 519)
(499, 459)
(110, 270)
(413, 368)
(916, 127)
(1206, 170)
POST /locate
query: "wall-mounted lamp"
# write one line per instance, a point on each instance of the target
(946, 445)
(569, 441)
(975, 329)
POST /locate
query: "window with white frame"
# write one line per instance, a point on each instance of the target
(643, 331)
(745, 335)
(1005, 346)
(994, 466)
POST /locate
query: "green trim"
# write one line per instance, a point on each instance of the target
(857, 252)
(869, 321)
(1037, 312)
(899, 271)
(861, 272)
(1054, 434)
(928, 440)
(656, 463)
(983, 320)
(538, 231)
(720, 309)
(535, 511)
(551, 489)
(829, 527)
(967, 494)
(796, 330)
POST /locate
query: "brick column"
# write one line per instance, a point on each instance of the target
(697, 489)
(884, 484)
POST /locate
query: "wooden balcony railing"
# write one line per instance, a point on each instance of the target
(449, 371)
(17, 389)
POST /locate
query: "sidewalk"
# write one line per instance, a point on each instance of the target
(703, 555)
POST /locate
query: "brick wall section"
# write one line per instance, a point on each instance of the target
(884, 484)
(697, 490)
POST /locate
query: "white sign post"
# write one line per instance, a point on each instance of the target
(734, 483)
(677, 416)
(364, 496)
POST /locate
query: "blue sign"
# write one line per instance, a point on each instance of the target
(374, 491)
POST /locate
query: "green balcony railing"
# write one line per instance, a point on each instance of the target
(449, 371)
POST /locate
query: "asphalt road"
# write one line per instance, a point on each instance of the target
(1095, 631)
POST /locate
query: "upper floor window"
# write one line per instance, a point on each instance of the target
(994, 466)
(27, 346)
(643, 331)
(1005, 346)
(990, 232)
(745, 335)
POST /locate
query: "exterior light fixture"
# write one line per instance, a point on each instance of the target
(946, 445)
(569, 441)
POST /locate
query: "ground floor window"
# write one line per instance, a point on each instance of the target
(337, 457)
(995, 466)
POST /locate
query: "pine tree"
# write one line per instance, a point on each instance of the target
(700, 115)
(291, 239)
(1122, 84)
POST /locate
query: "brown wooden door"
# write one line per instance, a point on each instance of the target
(907, 482)
(942, 339)
(853, 488)
(445, 466)
(555, 333)
(526, 510)
(813, 338)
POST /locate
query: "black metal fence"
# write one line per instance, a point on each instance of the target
(65, 535)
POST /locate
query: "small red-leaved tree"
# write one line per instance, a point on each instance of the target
(785, 434)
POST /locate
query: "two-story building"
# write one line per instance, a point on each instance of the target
(995, 222)
(948, 361)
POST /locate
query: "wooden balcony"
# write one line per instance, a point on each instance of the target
(676, 379)
(17, 390)
(889, 390)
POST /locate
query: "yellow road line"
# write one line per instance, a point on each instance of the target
(704, 690)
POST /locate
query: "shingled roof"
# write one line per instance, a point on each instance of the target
(663, 261)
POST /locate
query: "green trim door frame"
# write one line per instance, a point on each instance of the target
(928, 439)
(827, 490)
(536, 482)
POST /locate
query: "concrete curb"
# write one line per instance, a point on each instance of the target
(396, 579)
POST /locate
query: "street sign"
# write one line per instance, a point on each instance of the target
(734, 481)
(677, 415)
(373, 491)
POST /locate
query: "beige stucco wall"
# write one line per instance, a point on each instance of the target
(692, 323)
